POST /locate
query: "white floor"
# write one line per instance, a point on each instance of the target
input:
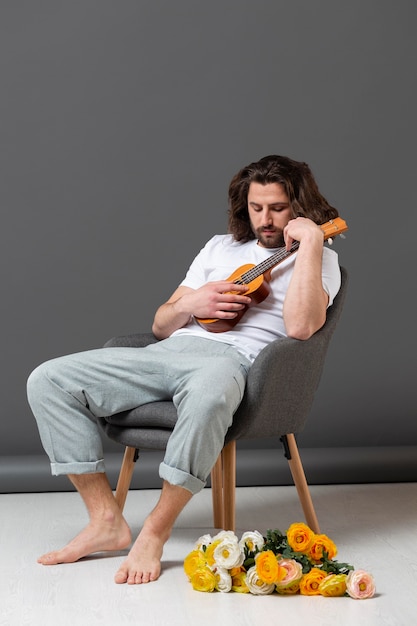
(374, 527)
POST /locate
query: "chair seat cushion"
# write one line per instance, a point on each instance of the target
(152, 415)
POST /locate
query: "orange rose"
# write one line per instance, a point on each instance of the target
(310, 583)
(300, 537)
(322, 544)
(268, 568)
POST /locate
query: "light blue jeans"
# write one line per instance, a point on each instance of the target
(204, 378)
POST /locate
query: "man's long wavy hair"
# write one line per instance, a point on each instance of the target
(298, 182)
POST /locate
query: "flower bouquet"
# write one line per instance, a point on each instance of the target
(299, 561)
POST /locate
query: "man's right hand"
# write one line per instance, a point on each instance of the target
(219, 299)
(212, 300)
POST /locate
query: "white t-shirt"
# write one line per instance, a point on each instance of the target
(262, 323)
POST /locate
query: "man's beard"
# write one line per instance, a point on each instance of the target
(270, 238)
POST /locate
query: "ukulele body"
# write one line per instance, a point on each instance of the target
(258, 290)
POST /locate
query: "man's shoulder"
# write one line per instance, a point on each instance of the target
(223, 241)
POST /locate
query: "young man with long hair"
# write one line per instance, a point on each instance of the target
(272, 203)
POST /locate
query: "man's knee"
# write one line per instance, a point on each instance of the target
(35, 382)
(39, 381)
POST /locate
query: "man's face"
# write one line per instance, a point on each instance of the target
(269, 213)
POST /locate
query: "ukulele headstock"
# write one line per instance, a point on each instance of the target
(333, 228)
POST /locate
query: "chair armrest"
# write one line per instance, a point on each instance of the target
(137, 340)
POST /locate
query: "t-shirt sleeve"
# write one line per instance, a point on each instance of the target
(331, 273)
(197, 274)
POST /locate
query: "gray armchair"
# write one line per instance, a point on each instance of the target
(279, 394)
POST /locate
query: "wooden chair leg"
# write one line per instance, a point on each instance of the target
(125, 476)
(229, 485)
(300, 482)
(217, 493)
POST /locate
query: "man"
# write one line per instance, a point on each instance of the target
(272, 203)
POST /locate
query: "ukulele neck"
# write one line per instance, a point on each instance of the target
(267, 264)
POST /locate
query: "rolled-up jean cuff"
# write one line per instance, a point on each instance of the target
(89, 467)
(179, 478)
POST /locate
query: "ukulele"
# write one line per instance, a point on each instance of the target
(256, 277)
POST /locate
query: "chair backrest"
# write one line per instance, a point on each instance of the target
(283, 380)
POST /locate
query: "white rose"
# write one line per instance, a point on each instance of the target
(228, 553)
(205, 540)
(223, 579)
(253, 540)
(225, 534)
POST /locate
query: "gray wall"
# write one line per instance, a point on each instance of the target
(121, 124)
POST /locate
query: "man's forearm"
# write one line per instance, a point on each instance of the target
(169, 317)
(306, 301)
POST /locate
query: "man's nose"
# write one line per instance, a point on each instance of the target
(267, 218)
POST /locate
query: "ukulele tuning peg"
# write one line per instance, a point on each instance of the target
(330, 241)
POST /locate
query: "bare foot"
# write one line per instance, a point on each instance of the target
(143, 563)
(112, 534)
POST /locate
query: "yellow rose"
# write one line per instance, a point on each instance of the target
(333, 585)
(268, 568)
(194, 561)
(321, 544)
(209, 553)
(239, 582)
(203, 579)
(300, 537)
(309, 584)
